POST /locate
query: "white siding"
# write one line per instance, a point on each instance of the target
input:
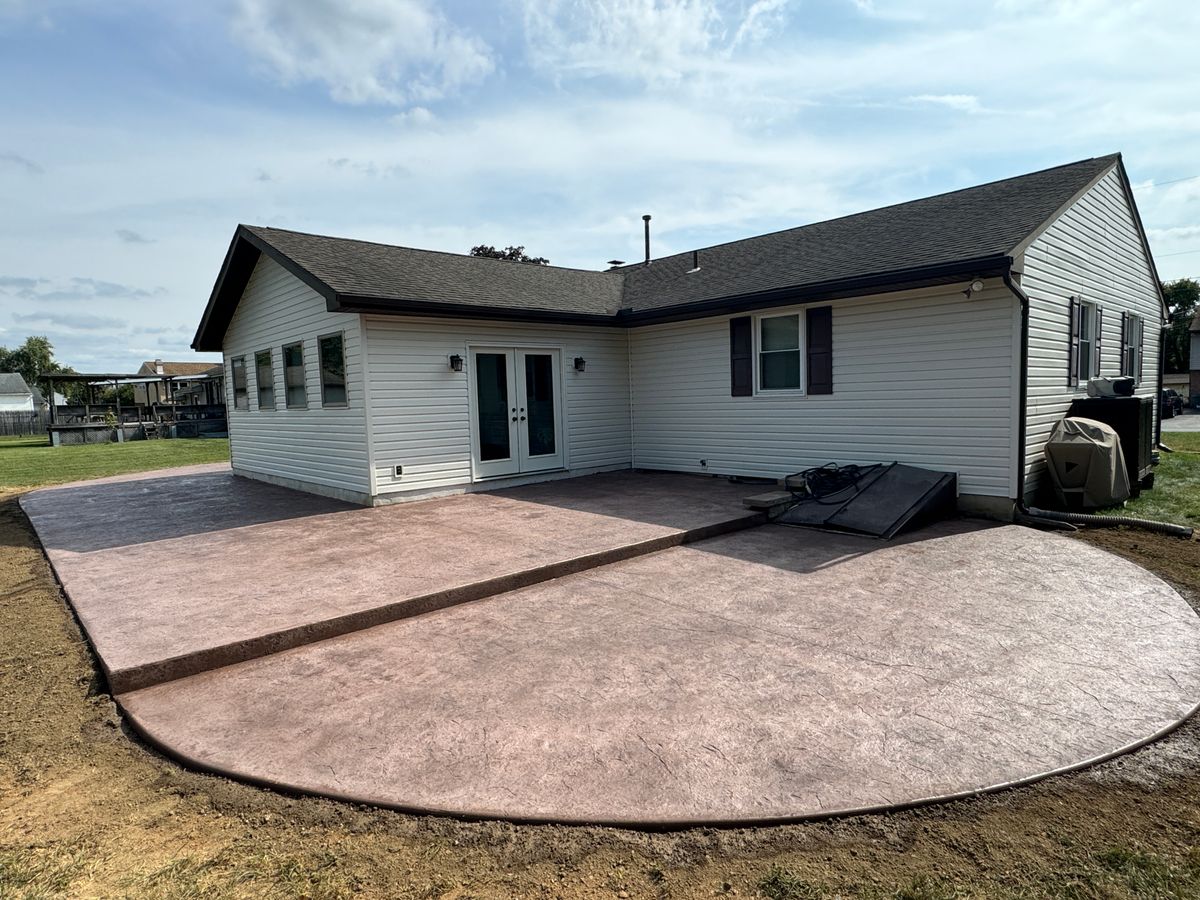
(1093, 251)
(926, 378)
(420, 412)
(318, 446)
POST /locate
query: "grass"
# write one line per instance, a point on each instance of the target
(30, 462)
(1182, 440)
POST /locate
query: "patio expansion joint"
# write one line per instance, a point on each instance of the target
(193, 663)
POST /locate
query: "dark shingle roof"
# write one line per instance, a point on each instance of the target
(13, 383)
(385, 272)
(941, 234)
(974, 223)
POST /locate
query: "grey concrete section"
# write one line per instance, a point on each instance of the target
(175, 573)
(1189, 421)
(776, 673)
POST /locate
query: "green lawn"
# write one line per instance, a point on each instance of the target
(1176, 493)
(1182, 440)
(31, 462)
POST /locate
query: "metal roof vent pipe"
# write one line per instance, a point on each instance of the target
(695, 262)
(646, 220)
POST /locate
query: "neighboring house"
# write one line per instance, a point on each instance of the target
(189, 383)
(376, 373)
(1194, 358)
(15, 395)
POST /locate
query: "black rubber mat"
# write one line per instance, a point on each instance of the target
(883, 503)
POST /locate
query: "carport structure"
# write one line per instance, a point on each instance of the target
(630, 649)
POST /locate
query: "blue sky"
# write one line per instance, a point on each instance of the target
(136, 135)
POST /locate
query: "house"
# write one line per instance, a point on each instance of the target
(1192, 389)
(951, 332)
(15, 394)
(183, 383)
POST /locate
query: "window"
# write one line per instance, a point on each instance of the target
(333, 370)
(241, 398)
(295, 393)
(264, 377)
(1131, 349)
(1086, 329)
(779, 353)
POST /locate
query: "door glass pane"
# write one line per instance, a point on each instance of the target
(491, 386)
(539, 394)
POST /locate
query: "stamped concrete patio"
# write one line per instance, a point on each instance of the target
(764, 674)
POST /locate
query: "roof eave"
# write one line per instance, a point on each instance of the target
(837, 289)
(240, 260)
(404, 307)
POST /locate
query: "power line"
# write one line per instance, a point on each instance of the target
(1162, 183)
(1178, 253)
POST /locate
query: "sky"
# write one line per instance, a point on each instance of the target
(136, 134)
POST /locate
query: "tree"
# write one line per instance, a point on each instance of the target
(515, 254)
(32, 358)
(1183, 298)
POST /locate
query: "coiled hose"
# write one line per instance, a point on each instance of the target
(1098, 521)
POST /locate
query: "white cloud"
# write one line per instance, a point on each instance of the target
(961, 102)
(392, 52)
(654, 41)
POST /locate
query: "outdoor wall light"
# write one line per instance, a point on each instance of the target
(974, 288)
(580, 364)
(456, 363)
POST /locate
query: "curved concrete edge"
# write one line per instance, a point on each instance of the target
(480, 815)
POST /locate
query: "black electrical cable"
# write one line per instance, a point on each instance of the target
(830, 480)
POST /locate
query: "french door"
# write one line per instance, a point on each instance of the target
(517, 407)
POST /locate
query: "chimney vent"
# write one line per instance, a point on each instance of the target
(646, 219)
(695, 262)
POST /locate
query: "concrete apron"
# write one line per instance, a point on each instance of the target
(766, 675)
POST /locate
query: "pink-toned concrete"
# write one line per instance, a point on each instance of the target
(175, 572)
(769, 674)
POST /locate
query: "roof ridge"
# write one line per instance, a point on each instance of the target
(1111, 157)
(486, 259)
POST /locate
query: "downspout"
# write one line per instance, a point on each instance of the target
(1023, 391)
(1162, 346)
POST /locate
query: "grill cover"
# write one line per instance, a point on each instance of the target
(1086, 464)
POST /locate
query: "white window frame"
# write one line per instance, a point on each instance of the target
(258, 385)
(287, 400)
(802, 337)
(1087, 313)
(1132, 349)
(234, 364)
(344, 404)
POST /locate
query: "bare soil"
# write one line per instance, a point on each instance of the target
(86, 810)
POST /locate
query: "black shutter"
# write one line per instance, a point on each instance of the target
(741, 357)
(1141, 347)
(1099, 336)
(1073, 349)
(819, 332)
(1125, 367)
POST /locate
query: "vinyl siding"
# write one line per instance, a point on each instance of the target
(420, 409)
(319, 446)
(926, 378)
(1092, 251)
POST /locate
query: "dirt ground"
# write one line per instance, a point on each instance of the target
(86, 810)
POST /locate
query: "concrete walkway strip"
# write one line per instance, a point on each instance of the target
(176, 574)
